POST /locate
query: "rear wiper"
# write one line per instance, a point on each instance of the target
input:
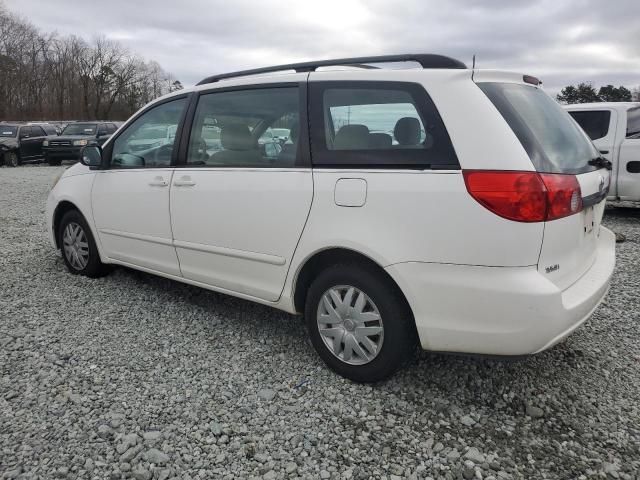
(600, 162)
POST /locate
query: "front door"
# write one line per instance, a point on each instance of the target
(629, 158)
(238, 206)
(29, 143)
(601, 127)
(130, 199)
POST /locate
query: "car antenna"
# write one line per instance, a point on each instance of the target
(473, 66)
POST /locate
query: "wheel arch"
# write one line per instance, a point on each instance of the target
(12, 149)
(63, 207)
(327, 257)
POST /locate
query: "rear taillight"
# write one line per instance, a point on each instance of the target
(525, 196)
(563, 195)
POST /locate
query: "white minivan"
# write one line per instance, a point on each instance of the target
(438, 205)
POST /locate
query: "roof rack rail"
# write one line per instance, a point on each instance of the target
(426, 60)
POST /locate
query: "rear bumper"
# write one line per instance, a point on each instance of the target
(500, 310)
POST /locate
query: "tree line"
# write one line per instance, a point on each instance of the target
(585, 92)
(45, 76)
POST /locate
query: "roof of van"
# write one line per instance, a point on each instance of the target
(425, 60)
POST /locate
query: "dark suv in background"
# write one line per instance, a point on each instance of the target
(68, 144)
(20, 143)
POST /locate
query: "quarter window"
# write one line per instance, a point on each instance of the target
(150, 140)
(379, 124)
(594, 123)
(236, 129)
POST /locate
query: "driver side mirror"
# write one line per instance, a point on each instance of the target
(91, 156)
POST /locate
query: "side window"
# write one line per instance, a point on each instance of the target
(594, 123)
(146, 142)
(383, 124)
(235, 129)
(111, 128)
(25, 132)
(37, 131)
(102, 130)
(633, 122)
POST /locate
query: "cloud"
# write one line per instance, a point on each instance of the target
(562, 42)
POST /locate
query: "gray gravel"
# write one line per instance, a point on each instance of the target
(133, 376)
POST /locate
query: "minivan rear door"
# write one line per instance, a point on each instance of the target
(557, 145)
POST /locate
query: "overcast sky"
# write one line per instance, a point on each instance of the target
(561, 41)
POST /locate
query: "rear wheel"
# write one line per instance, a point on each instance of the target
(11, 159)
(78, 247)
(359, 323)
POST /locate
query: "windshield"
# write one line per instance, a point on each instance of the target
(555, 143)
(80, 129)
(151, 132)
(8, 131)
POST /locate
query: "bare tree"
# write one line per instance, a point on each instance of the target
(54, 77)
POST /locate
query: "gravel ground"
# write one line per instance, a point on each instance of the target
(133, 376)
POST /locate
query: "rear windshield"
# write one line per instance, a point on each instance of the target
(633, 123)
(7, 131)
(554, 142)
(80, 129)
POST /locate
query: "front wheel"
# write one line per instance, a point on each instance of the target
(78, 247)
(11, 159)
(359, 322)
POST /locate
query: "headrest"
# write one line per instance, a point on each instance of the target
(380, 141)
(352, 137)
(236, 136)
(407, 131)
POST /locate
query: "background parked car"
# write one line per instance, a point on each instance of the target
(20, 143)
(49, 128)
(75, 136)
(614, 128)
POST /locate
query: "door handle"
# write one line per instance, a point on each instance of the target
(184, 182)
(158, 182)
(604, 151)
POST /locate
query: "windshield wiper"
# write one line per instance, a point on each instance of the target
(600, 162)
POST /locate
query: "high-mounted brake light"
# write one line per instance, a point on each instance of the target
(531, 79)
(525, 196)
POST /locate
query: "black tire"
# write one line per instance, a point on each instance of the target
(399, 337)
(11, 159)
(53, 162)
(94, 267)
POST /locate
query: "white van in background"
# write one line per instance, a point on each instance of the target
(614, 128)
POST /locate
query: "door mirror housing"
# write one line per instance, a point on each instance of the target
(91, 156)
